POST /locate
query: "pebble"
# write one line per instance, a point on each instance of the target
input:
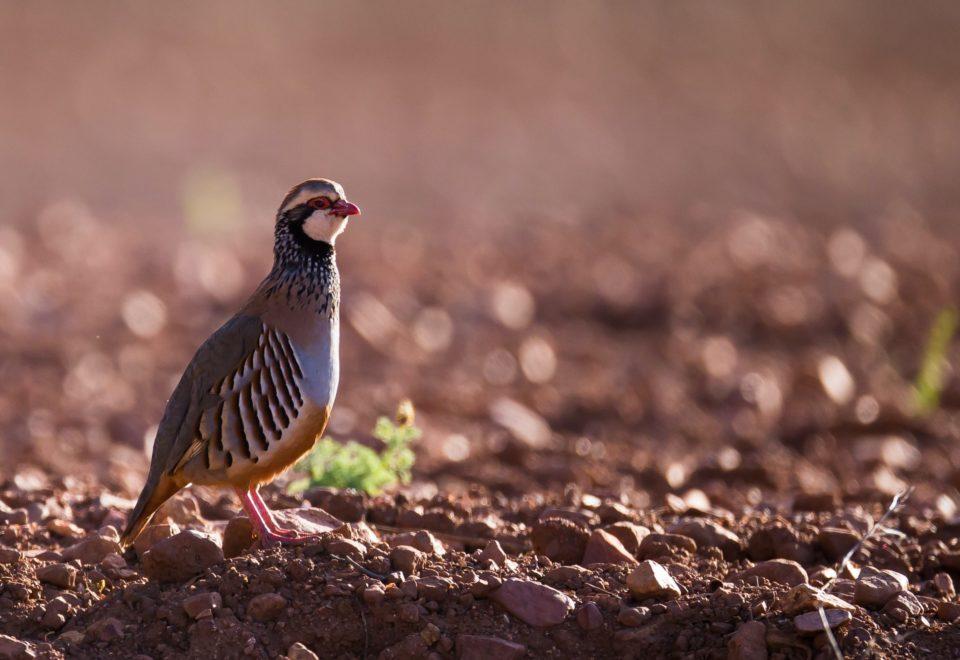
(374, 595)
(55, 613)
(665, 545)
(805, 598)
(493, 551)
(151, 534)
(651, 580)
(13, 649)
(630, 534)
(948, 611)
(589, 617)
(202, 605)
(749, 642)
(409, 612)
(810, 623)
(181, 556)
(59, 575)
(533, 603)
(434, 588)
(92, 549)
(903, 606)
(709, 534)
(407, 559)
(633, 617)
(422, 540)
(237, 537)
(298, 651)
(105, 630)
(483, 647)
(266, 607)
(9, 555)
(836, 542)
(560, 539)
(64, 528)
(942, 581)
(778, 541)
(605, 548)
(781, 571)
(874, 587)
(346, 548)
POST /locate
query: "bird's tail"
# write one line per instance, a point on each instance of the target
(156, 491)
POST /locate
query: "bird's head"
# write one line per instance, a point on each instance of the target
(316, 210)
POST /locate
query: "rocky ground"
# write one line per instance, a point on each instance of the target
(662, 446)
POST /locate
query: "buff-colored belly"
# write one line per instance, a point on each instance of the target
(238, 463)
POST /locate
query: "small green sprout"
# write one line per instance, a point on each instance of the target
(352, 465)
(930, 380)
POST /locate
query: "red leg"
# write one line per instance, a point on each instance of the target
(264, 526)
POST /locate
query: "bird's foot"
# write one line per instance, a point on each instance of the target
(272, 538)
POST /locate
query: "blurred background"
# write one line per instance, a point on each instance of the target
(639, 247)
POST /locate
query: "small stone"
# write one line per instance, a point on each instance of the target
(903, 606)
(266, 607)
(409, 612)
(92, 549)
(605, 548)
(749, 642)
(14, 517)
(152, 534)
(346, 548)
(434, 588)
(64, 528)
(430, 634)
(374, 595)
(875, 587)
(12, 648)
(183, 509)
(836, 542)
(560, 539)
(422, 540)
(805, 598)
(629, 534)
(9, 555)
(72, 637)
(55, 614)
(709, 534)
(237, 537)
(59, 575)
(494, 552)
(633, 617)
(482, 647)
(407, 559)
(298, 651)
(665, 545)
(589, 617)
(948, 612)
(651, 580)
(105, 630)
(781, 571)
(114, 561)
(348, 505)
(533, 603)
(810, 623)
(777, 541)
(818, 502)
(942, 581)
(182, 556)
(202, 605)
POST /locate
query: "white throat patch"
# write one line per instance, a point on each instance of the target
(322, 226)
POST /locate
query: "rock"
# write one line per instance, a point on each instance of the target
(72, 637)
(407, 559)
(810, 623)
(346, 548)
(903, 606)
(151, 535)
(347, 505)
(651, 580)
(55, 614)
(533, 603)
(777, 541)
(298, 651)
(805, 598)
(560, 539)
(182, 556)
(875, 587)
(818, 502)
(633, 617)
(202, 605)
(709, 534)
(749, 642)
(430, 634)
(183, 509)
(781, 571)
(92, 549)
(422, 540)
(9, 555)
(629, 534)
(942, 581)
(266, 607)
(105, 630)
(949, 612)
(605, 548)
(59, 575)
(589, 617)
(836, 542)
(494, 552)
(374, 595)
(237, 537)
(307, 520)
(665, 545)
(482, 647)
(434, 588)
(15, 517)
(12, 648)
(64, 528)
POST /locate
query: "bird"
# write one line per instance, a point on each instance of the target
(259, 391)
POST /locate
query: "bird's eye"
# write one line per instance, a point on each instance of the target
(319, 203)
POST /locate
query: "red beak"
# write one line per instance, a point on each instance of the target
(345, 208)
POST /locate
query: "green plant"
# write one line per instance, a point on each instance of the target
(352, 465)
(930, 379)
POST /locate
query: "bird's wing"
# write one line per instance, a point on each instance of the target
(245, 379)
